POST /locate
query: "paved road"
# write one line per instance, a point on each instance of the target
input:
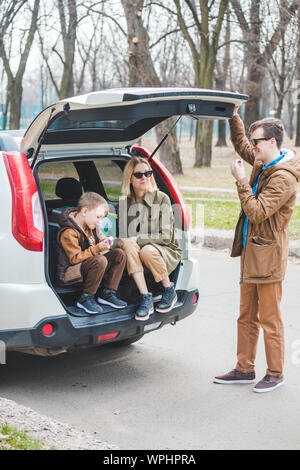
(158, 394)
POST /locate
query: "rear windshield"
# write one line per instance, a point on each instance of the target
(103, 176)
(64, 122)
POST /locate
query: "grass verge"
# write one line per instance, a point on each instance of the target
(223, 215)
(11, 439)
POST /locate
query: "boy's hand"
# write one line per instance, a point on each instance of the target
(109, 242)
(238, 169)
(103, 246)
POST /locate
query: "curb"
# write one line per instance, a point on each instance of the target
(222, 239)
(60, 436)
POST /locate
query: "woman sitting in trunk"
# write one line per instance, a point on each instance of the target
(146, 228)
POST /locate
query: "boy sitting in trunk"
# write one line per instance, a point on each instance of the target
(84, 254)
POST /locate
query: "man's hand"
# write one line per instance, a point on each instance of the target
(238, 169)
(237, 107)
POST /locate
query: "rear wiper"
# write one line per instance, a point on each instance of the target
(163, 139)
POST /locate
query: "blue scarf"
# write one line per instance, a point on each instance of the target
(255, 186)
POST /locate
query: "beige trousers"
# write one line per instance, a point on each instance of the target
(148, 256)
(260, 307)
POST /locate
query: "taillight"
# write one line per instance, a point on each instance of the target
(27, 218)
(108, 336)
(48, 329)
(173, 188)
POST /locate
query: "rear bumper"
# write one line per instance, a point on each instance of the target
(71, 331)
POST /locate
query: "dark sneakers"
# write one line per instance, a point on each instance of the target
(268, 383)
(109, 297)
(235, 377)
(88, 303)
(146, 307)
(168, 300)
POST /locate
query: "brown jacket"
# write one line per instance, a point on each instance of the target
(75, 244)
(269, 212)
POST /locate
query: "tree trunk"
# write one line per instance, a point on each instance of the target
(15, 81)
(254, 90)
(297, 142)
(143, 73)
(221, 81)
(169, 151)
(69, 40)
(15, 93)
(290, 103)
(279, 107)
(204, 137)
(221, 142)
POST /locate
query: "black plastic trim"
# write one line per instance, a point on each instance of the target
(84, 331)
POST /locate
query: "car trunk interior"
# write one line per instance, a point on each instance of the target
(61, 182)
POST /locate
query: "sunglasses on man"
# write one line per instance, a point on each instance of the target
(139, 174)
(254, 142)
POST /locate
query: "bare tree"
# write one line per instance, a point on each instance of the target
(9, 10)
(143, 73)
(282, 69)
(258, 58)
(105, 58)
(208, 20)
(297, 143)
(68, 22)
(221, 78)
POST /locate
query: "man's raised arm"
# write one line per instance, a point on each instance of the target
(238, 138)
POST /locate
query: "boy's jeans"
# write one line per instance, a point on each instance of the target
(107, 268)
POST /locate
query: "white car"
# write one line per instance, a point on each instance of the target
(80, 144)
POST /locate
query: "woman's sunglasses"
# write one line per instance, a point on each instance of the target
(139, 174)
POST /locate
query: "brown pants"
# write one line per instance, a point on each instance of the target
(260, 306)
(148, 256)
(108, 267)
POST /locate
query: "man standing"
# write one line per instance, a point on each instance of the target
(261, 239)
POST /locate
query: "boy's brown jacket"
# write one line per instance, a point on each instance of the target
(74, 245)
(264, 258)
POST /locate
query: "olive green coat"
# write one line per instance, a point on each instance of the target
(151, 222)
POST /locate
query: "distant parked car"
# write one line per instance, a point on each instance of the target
(10, 140)
(83, 144)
